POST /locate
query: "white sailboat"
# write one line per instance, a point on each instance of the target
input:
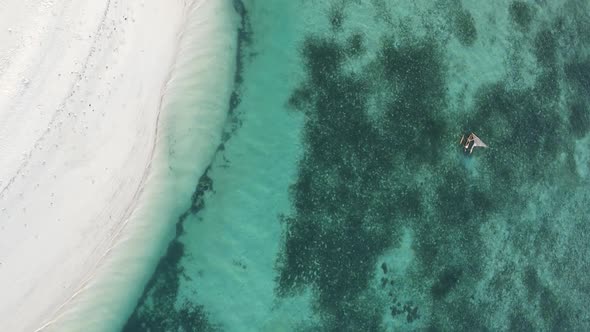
(471, 142)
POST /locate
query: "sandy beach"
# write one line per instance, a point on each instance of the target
(83, 89)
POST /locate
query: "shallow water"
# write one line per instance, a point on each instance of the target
(340, 199)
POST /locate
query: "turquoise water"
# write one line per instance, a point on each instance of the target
(341, 201)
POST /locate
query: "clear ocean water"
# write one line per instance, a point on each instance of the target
(340, 199)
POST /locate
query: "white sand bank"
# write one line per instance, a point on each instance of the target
(82, 85)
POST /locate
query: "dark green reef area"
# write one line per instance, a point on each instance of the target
(500, 239)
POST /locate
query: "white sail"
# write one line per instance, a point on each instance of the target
(478, 142)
